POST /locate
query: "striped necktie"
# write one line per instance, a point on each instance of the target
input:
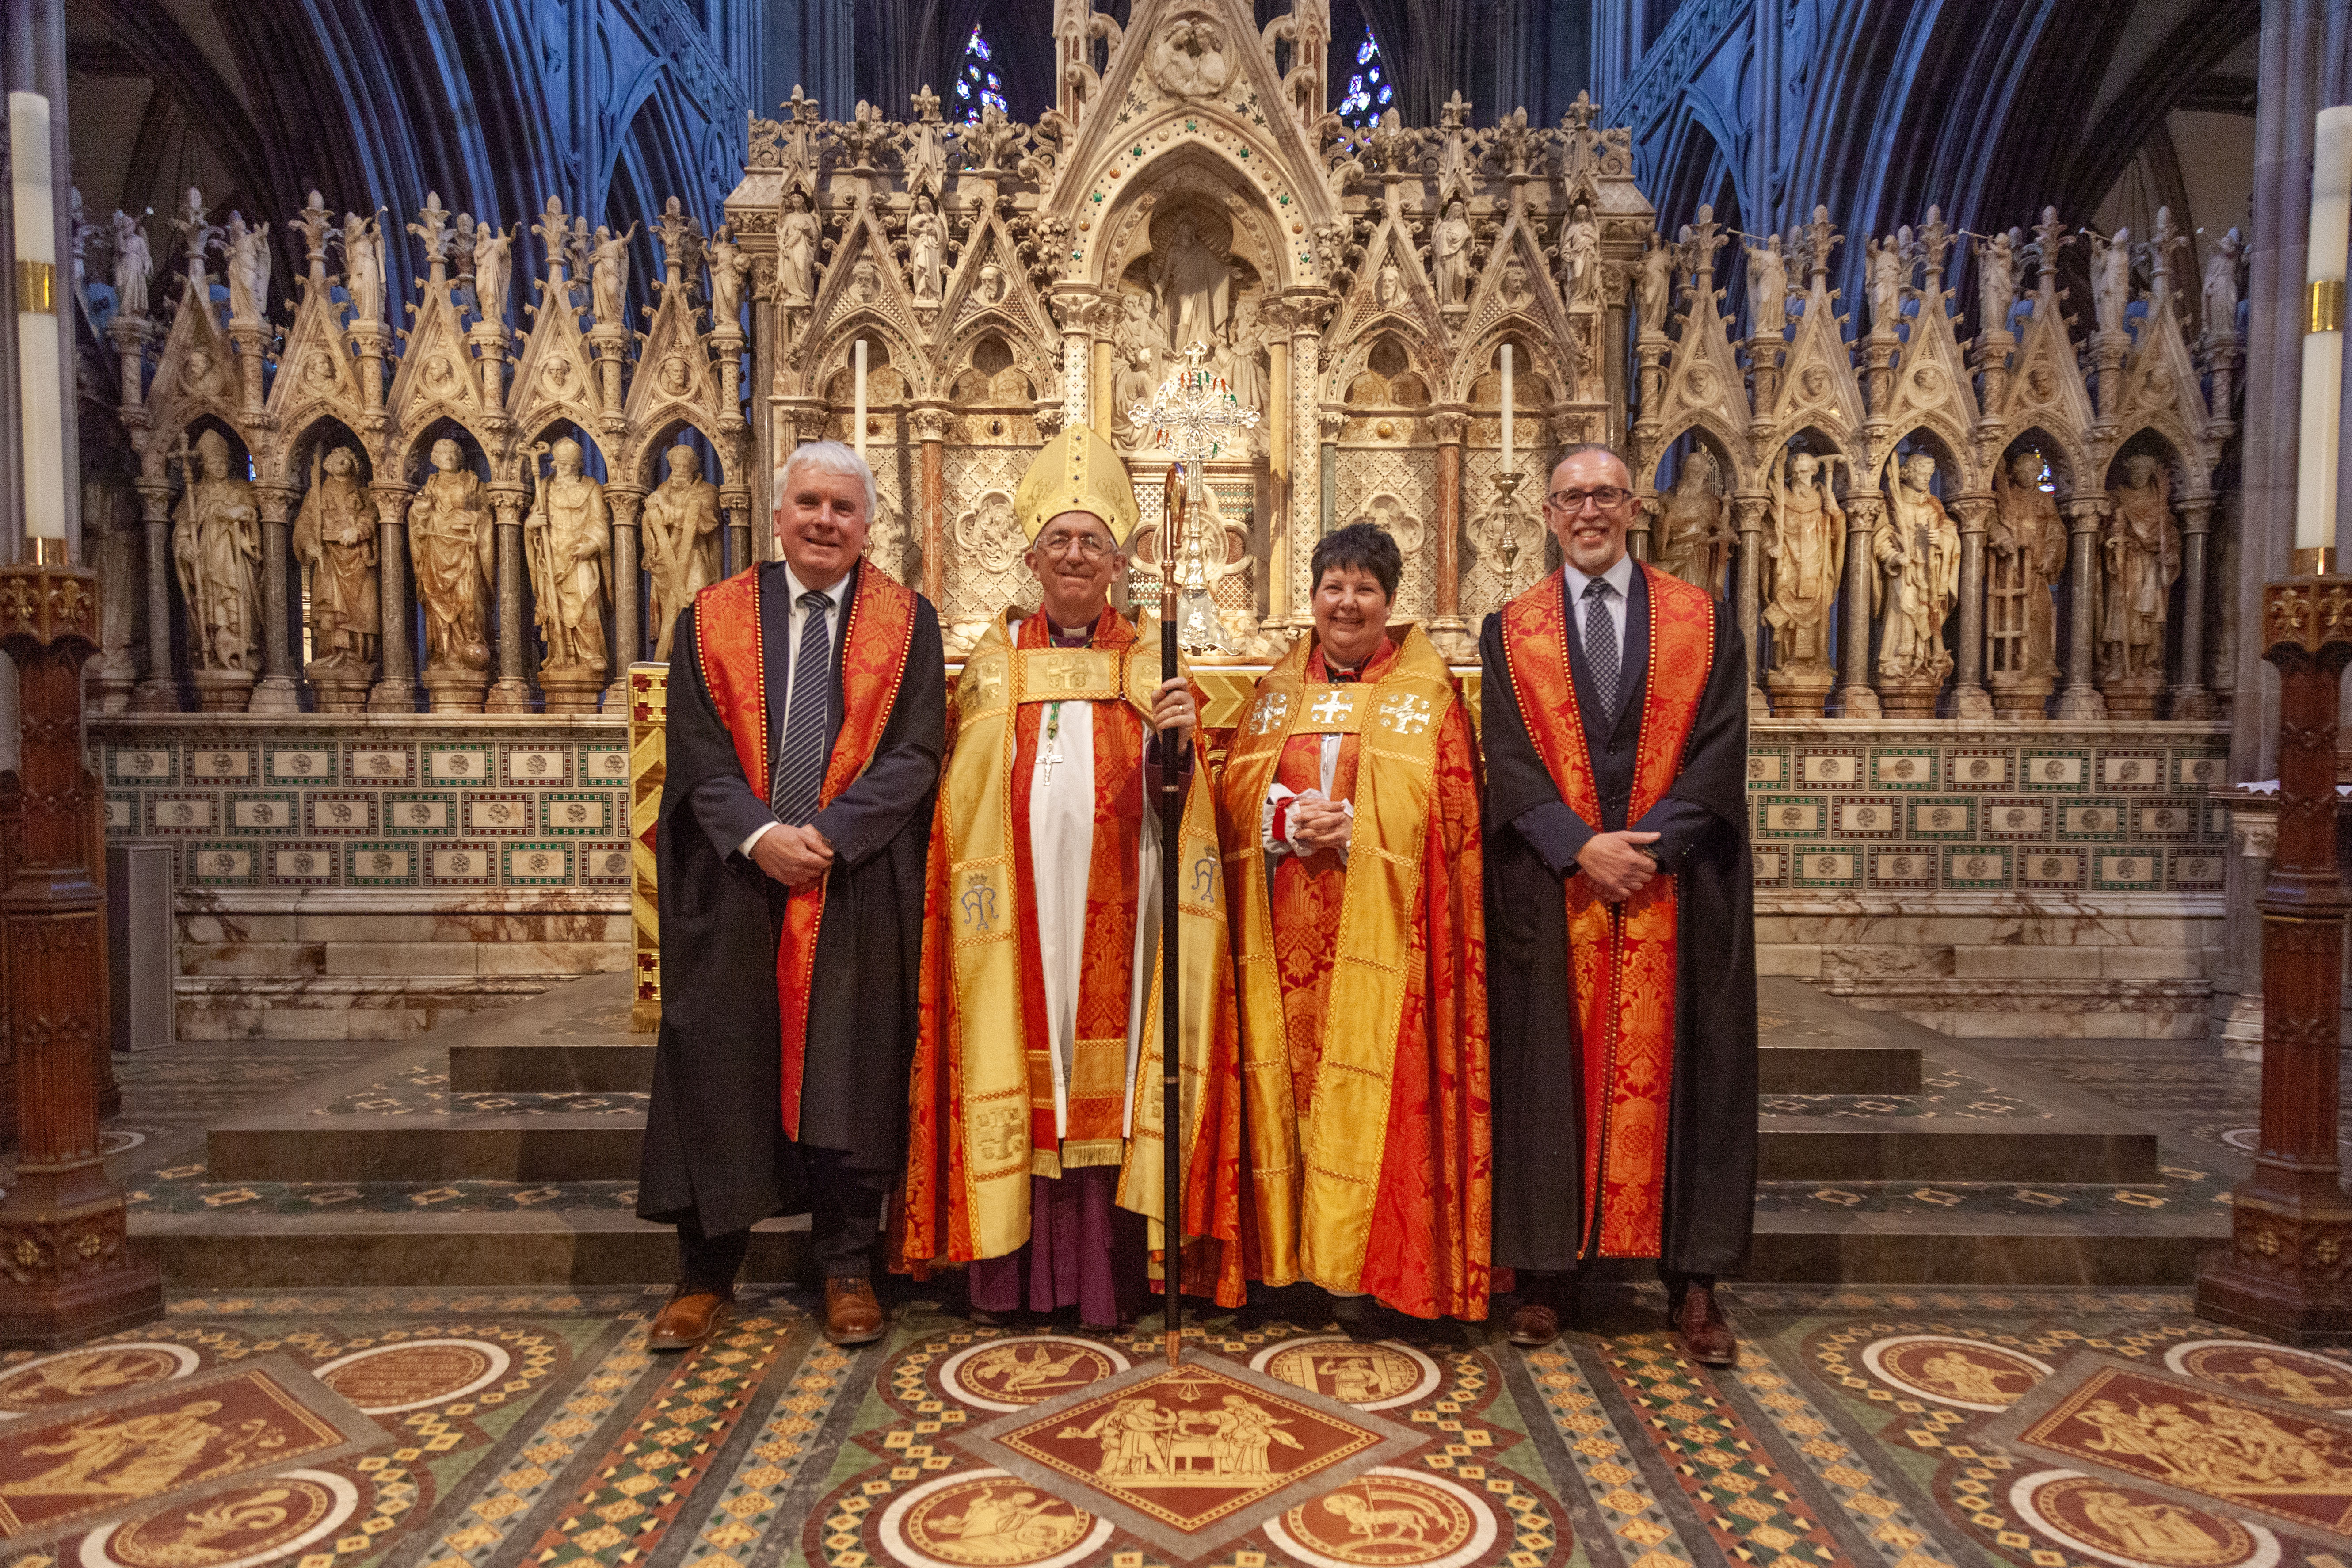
(1600, 652)
(800, 763)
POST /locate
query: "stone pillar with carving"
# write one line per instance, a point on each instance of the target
(1310, 457)
(2107, 351)
(511, 693)
(1855, 699)
(1278, 473)
(277, 691)
(735, 501)
(628, 612)
(2189, 697)
(2080, 699)
(66, 1270)
(1445, 626)
(1969, 698)
(395, 690)
(928, 425)
(158, 690)
(1747, 514)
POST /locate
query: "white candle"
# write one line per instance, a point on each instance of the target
(1506, 408)
(2322, 339)
(858, 427)
(39, 408)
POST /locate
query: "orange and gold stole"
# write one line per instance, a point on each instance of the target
(880, 629)
(1620, 957)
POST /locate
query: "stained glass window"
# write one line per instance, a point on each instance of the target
(977, 82)
(1369, 92)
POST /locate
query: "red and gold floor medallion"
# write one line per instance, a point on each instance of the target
(1389, 1517)
(1013, 1374)
(390, 1379)
(989, 1518)
(1951, 1369)
(241, 1528)
(91, 1371)
(1369, 1377)
(2137, 1529)
(1190, 1445)
(2274, 1372)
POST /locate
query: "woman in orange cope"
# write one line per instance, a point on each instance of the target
(1350, 813)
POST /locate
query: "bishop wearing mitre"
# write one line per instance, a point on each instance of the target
(1350, 796)
(1036, 1150)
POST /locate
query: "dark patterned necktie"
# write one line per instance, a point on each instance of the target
(800, 764)
(1601, 653)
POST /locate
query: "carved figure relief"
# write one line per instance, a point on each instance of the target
(1768, 289)
(797, 233)
(926, 248)
(609, 269)
(2218, 300)
(2142, 551)
(569, 534)
(248, 270)
(681, 535)
(363, 269)
(725, 258)
(2110, 280)
(450, 546)
(216, 547)
(1579, 259)
(493, 269)
(1189, 60)
(2025, 550)
(335, 538)
(1997, 282)
(1804, 560)
(1450, 252)
(1191, 288)
(1693, 534)
(1918, 550)
(134, 266)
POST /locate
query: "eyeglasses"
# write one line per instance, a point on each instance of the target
(1092, 546)
(1608, 497)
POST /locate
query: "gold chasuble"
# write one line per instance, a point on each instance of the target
(1363, 986)
(1620, 957)
(991, 1103)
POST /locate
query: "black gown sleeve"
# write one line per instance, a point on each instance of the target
(1520, 788)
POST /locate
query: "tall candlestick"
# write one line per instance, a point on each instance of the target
(858, 428)
(39, 410)
(1506, 408)
(2323, 336)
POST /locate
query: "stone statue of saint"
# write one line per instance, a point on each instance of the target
(1917, 549)
(1882, 269)
(450, 546)
(1450, 250)
(2220, 299)
(796, 243)
(569, 533)
(1768, 289)
(1695, 539)
(926, 248)
(134, 265)
(1996, 282)
(1804, 560)
(334, 536)
(609, 270)
(1191, 288)
(2110, 280)
(727, 269)
(1657, 282)
(1131, 385)
(363, 269)
(217, 546)
(248, 271)
(2025, 550)
(1580, 259)
(493, 266)
(1246, 377)
(2143, 556)
(681, 530)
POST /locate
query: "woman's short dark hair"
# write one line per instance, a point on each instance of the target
(1365, 546)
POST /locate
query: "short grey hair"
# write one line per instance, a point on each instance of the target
(828, 458)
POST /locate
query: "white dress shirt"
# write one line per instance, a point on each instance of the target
(1620, 577)
(835, 597)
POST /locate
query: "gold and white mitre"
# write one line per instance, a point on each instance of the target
(1077, 471)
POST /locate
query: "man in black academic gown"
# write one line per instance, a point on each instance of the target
(842, 837)
(1639, 862)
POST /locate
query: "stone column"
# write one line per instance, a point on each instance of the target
(628, 612)
(735, 501)
(512, 692)
(1747, 513)
(1855, 699)
(1969, 698)
(1278, 481)
(1614, 329)
(1329, 427)
(2189, 697)
(159, 690)
(279, 691)
(929, 426)
(396, 692)
(2081, 699)
(1445, 623)
(1312, 464)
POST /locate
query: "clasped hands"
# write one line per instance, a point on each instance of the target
(1316, 824)
(1616, 865)
(796, 857)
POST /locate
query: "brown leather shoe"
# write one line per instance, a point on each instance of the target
(1702, 1330)
(690, 1316)
(1535, 1324)
(852, 1315)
